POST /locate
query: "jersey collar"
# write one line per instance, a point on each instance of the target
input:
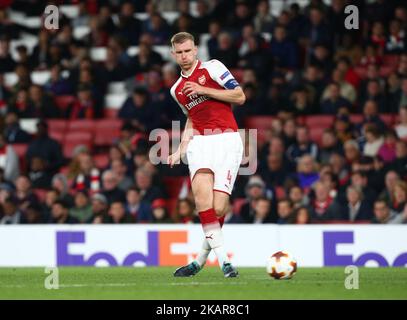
(197, 63)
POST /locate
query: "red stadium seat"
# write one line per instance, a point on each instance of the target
(57, 135)
(81, 126)
(110, 113)
(356, 118)
(385, 71)
(258, 122)
(319, 121)
(106, 131)
(360, 71)
(64, 102)
(316, 134)
(74, 139)
(20, 149)
(57, 125)
(280, 192)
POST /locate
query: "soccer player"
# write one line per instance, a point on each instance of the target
(211, 143)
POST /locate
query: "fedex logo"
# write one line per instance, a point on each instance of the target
(158, 251)
(333, 238)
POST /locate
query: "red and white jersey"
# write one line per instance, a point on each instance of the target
(207, 113)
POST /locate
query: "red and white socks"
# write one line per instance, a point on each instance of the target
(212, 227)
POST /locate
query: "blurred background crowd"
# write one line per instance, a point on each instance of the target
(77, 105)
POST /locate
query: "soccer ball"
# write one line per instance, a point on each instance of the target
(281, 265)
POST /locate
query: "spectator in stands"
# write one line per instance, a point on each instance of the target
(378, 36)
(400, 162)
(60, 213)
(160, 212)
(401, 127)
(82, 209)
(374, 93)
(184, 211)
(303, 146)
(84, 106)
(7, 64)
(119, 169)
(262, 211)
(110, 188)
(60, 184)
(226, 52)
(285, 211)
(11, 213)
(255, 189)
(387, 151)
(283, 50)
(139, 110)
(390, 181)
(329, 145)
(289, 132)
(384, 215)
(301, 215)
(297, 196)
(117, 213)
(396, 41)
(9, 161)
(334, 100)
(276, 171)
(356, 207)
(371, 116)
(264, 21)
(113, 69)
(34, 215)
(41, 104)
(400, 197)
(21, 105)
(128, 26)
(374, 140)
(24, 194)
(301, 103)
(140, 210)
(352, 152)
(146, 59)
(57, 85)
(322, 206)
(401, 100)
(149, 192)
(307, 172)
(100, 208)
(38, 175)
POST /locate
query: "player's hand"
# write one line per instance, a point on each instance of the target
(193, 88)
(176, 157)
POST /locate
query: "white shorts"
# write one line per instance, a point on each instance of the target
(221, 153)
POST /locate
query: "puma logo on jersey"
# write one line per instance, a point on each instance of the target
(209, 237)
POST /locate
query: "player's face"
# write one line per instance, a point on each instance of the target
(185, 54)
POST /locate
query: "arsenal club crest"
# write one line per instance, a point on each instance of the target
(202, 80)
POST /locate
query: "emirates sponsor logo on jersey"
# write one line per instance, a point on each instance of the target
(195, 102)
(202, 80)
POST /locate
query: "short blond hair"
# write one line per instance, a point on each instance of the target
(180, 37)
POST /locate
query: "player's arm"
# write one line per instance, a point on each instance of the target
(234, 96)
(219, 73)
(175, 158)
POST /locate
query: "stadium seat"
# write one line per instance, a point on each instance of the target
(74, 139)
(21, 150)
(58, 135)
(63, 102)
(316, 134)
(356, 118)
(115, 100)
(81, 126)
(319, 121)
(40, 77)
(106, 131)
(385, 71)
(360, 71)
(110, 113)
(57, 125)
(258, 122)
(280, 192)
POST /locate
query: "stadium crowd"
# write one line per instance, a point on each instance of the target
(330, 106)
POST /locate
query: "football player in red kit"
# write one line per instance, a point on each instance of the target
(211, 143)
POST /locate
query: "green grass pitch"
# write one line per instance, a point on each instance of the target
(158, 283)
